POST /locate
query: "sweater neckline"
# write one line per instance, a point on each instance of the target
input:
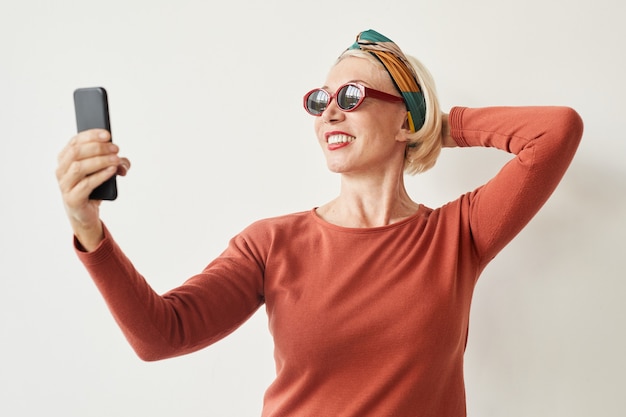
(410, 219)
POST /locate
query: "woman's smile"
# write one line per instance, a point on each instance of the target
(338, 140)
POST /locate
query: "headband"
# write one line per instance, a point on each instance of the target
(401, 71)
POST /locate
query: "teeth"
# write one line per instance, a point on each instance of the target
(334, 139)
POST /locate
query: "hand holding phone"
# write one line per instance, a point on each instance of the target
(92, 112)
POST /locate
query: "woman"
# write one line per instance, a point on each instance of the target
(368, 296)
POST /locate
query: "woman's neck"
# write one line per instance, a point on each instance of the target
(369, 202)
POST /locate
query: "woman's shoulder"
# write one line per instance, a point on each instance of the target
(280, 222)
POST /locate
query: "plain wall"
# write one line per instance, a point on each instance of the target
(206, 102)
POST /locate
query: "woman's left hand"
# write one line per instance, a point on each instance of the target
(446, 139)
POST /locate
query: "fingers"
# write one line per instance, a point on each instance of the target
(123, 167)
(87, 161)
(76, 195)
(84, 145)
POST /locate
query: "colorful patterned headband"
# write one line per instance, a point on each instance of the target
(401, 72)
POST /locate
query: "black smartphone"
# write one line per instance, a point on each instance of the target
(92, 111)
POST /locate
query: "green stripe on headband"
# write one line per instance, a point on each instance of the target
(401, 72)
(416, 108)
(369, 35)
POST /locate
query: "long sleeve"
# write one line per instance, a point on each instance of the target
(204, 309)
(543, 140)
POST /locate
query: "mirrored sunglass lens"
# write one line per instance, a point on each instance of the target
(317, 101)
(348, 97)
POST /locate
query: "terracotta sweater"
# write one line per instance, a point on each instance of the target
(366, 322)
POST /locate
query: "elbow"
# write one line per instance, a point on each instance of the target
(147, 354)
(150, 355)
(158, 350)
(563, 131)
(150, 350)
(571, 124)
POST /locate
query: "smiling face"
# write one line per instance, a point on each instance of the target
(370, 139)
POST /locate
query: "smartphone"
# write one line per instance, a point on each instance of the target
(92, 111)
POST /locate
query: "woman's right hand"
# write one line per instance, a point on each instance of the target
(87, 161)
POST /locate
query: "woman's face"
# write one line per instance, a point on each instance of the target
(370, 139)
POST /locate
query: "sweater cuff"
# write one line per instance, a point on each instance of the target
(98, 255)
(455, 120)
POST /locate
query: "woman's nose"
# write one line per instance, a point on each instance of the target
(332, 113)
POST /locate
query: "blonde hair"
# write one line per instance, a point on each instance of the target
(424, 145)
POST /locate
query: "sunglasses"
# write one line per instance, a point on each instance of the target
(349, 97)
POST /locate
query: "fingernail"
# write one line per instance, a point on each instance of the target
(103, 135)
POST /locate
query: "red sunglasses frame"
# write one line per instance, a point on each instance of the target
(365, 92)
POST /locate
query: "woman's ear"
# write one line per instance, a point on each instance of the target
(404, 132)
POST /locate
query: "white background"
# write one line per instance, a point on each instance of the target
(206, 102)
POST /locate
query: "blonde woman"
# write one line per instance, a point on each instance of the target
(368, 295)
